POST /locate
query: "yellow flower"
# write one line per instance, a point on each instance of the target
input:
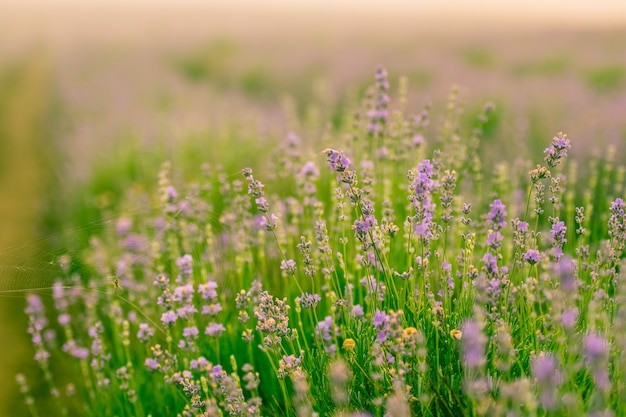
(409, 331)
(456, 334)
(349, 344)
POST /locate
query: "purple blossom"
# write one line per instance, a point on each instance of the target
(497, 215)
(217, 373)
(357, 310)
(532, 256)
(423, 184)
(618, 206)
(64, 319)
(474, 344)
(169, 317)
(494, 240)
(200, 363)
(522, 226)
(309, 300)
(310, 170)
(145, 332)
(491, 263)
(565, 270)
(190, 332)
(185, 264)
(262, 204)
(595, 347)
(337, 160)
(151, 364)
(545, 369)
(557, 150)
(214, 329)
(35, 306)
(417, 140)
(123, 226)
(289, 266)
(569, 318)
(325, 328)
(211, 309)
(558, 233)
(207, 290)
(380, 319)
(186, 311)
(183, 293)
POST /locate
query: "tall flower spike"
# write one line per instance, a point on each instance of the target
(557, 150)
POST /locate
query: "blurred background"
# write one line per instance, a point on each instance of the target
(92, 93)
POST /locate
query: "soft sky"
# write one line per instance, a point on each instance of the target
(575, 11)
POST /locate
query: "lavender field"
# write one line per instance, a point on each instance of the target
(207, 212)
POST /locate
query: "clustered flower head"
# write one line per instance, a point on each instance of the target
(557, 150)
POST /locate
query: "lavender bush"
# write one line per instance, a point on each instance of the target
(391, 274)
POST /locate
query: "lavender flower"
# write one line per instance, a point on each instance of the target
(491, 263)
(169, 317)
(337, 160)
(214, 329)
(546, 372)
(558, 233)
(596, 349)
(497, 215)
(309, 300)
(557, 150)
(532, 256)
(288, 266)
(474, 342)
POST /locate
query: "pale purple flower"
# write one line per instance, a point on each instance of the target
(558, 233)
(145, 332)
(151, 364)
(337, 160)
(491, 263)
(325, 328)
(532, 256)
(557, 150)
(309, 300)
(522, 226)
(310, 170)
(123, 226)
(185, 264)
(380, 319)
(169, 317)
(207, 290)
(186, 311)
(565, 270)
(64, 319)
(494, 240)
(569, 317)
(214, 329)
(357, 311)
(211, 309)
(190, 332)
(544, 367)
(183, 293)
(474, 342)
(289, 266)
(497, 215)
(595, 346)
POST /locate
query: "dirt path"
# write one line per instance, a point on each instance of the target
(24, 101)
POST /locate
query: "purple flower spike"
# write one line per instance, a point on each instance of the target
(497, 215)
(532, 256)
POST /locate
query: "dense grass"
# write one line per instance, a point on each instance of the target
(395, 272)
